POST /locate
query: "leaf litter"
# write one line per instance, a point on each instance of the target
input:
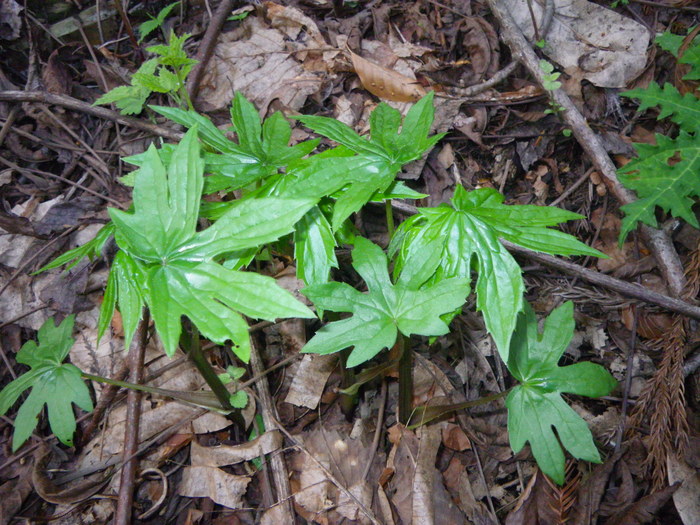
(281, 57)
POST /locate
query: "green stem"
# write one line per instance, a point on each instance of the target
(391, 228)
(200, 399)
(405, 379)
(347, 401)
(194, 351)
(424, 414)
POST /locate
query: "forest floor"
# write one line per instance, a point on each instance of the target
(334, 460)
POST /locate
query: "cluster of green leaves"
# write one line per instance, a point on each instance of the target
(165, 263)
(53, 383)
(387, 308)
(550, 81)
(165, 73)
(535, 406)
(665, 174)
(173, 260)
(346, 177)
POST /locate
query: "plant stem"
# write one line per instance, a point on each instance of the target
(194, 351)
(347, 401)
(425, 413)
(391, 228)
(405, 379)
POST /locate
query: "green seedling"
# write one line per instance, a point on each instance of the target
(166, 73)
(52, 382)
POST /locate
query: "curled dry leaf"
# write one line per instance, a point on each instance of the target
(231, 454)
(385, 83)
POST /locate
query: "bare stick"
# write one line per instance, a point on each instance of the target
(206, 47)
(78, 105)
(131, 438)
(280, 475)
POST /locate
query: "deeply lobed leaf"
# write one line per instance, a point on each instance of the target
(53, 383)
(470, 229)
(535, 406)
(171, 267)
(384, 310)
(663, 175)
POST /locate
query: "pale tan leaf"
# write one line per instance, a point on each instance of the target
(213, 483)
(310, 380)
(385, 83)
(686, 497)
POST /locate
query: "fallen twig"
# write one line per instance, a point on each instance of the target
(96, 111)
(280, 475)
(206, 46)
(131, 438)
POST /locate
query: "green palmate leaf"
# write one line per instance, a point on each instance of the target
(262, 149)
(155, 22)
(470, 229)
(130, 99)
(658, 183)
(535, 406)
(381, 156)
(168, 264)
(683, 109)
(53, 383)
(691, 56)
(386, 309)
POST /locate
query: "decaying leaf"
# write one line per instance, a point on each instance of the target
(419, 494)
(230, 454)
(385, 83)
(310, 380)
(210, 482)
(604, 47)
(257, 64)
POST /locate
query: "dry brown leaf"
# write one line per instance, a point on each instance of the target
(686, 498)
(14, 491)
(310, 380)
(213, 483)
(454, 437)
(419, 494)
(543, 502)
(386, 83)
(230, 454)
(256, 62)
(55, 75)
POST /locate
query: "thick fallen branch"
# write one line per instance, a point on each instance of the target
(96, 111)
(656, 240)
(634, 291)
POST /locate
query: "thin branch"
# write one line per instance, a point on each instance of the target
(206, 46)
(131, 428)
(96, 111)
